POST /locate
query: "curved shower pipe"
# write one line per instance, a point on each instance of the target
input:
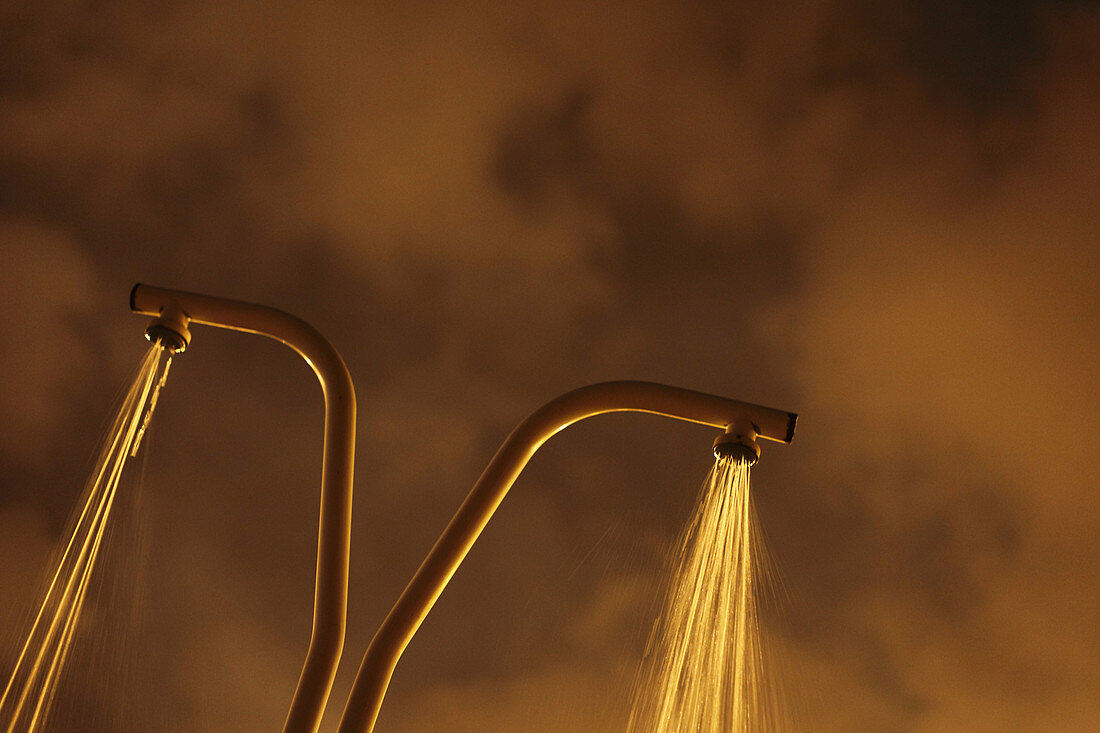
(174, 311)
(741, 421)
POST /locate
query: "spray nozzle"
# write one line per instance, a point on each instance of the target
(170, 329)
(738, 441)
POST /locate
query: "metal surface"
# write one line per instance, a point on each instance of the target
(334, 533)
(441, 563)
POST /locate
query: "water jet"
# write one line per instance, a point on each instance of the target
(37, 674)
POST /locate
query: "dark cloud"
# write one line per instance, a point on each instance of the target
(540, 149)
(977, 67)
(982, 58)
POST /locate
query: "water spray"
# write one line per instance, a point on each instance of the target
(32, 686)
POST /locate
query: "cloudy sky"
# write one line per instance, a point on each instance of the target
(879, 214)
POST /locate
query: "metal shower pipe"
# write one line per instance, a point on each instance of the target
(174, 310)
(741, 421)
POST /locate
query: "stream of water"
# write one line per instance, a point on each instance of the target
(705, 668)
(39, 669)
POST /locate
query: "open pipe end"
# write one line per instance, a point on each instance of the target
(792, 418)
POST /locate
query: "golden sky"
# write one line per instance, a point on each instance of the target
(881, 215)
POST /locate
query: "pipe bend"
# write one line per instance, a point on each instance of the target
(334, 531)
(273, 323)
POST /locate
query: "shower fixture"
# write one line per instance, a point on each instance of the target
(173, 312)
(741, 422)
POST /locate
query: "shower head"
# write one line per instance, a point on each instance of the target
(169, 328)
(737, 450)
(738, 442)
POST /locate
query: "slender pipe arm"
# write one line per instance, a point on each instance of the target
(334, 534)
(451, 548)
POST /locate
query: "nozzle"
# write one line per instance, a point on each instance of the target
(738, 441)
(170, 329)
